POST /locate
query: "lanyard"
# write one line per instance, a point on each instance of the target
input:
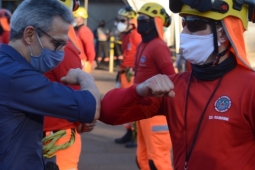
(138, 56)
(188, 154)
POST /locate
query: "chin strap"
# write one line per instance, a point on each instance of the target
(217, 58)
(215, 43)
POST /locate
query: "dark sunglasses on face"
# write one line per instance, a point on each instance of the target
(143, 19)
(194, 24)
(58, 44)
(122, 20)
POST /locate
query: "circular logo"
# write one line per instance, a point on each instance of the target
(143, 59)
(222, 104)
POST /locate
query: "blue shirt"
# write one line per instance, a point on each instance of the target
(26, 96)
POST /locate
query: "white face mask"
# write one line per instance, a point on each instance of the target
(196, 48)
(121, 27)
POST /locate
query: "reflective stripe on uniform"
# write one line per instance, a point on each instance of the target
(159, 128)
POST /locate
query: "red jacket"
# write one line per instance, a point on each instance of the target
(130, 42)
(226, 139)
(153, 58)
(86, 42)
(4, 38)
(71, 60)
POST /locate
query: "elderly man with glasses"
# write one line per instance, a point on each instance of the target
(39, 33)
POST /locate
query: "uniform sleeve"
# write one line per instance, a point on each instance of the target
(31, 92)
(87, 39)
(164, 59)
(128, 106)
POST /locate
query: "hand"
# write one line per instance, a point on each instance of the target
(157, 86)
(74, 77)
(86, 82)
(86, 127)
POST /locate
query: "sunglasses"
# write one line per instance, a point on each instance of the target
(194, 24)
(58, 44)
(143, 19)
(122, 20)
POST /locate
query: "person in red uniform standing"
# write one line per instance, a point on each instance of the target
(85, 39)
(153, 57)
(210, 111)
(130, 38)
(62, 141)
(5, 17)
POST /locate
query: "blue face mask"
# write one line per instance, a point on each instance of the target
(47, 60)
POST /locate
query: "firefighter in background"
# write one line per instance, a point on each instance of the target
(85, 38)
(5, 17)
(62, 139)
(153, 57)
(127, 25)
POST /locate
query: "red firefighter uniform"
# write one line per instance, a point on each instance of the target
(225, 139)
(153, 57)
(130, 40)
(66, 158)
(85, 39)
(66, 149)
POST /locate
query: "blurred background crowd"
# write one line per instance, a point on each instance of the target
(101, 19)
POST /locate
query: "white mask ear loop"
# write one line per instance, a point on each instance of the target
(39, 39)
(31, 54)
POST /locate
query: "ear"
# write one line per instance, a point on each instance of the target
(222, 37)
(29, 35)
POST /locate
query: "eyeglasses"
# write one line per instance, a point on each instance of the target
(58, 44)
(194, 24)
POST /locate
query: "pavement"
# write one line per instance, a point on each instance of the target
(99, 152)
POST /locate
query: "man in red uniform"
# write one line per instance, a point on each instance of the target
(210, 111)
(130, 39)
(62, 141)
(153, 57)
(85, 39)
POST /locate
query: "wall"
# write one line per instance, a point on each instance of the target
(102, 11)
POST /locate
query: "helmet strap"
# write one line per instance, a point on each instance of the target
(217, 58)
(215, 42)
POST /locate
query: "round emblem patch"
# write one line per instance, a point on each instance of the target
(143, 59)
(222, 104)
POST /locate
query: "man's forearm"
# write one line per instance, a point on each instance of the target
(89, 85)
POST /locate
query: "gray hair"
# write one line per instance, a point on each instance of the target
(39, 14)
